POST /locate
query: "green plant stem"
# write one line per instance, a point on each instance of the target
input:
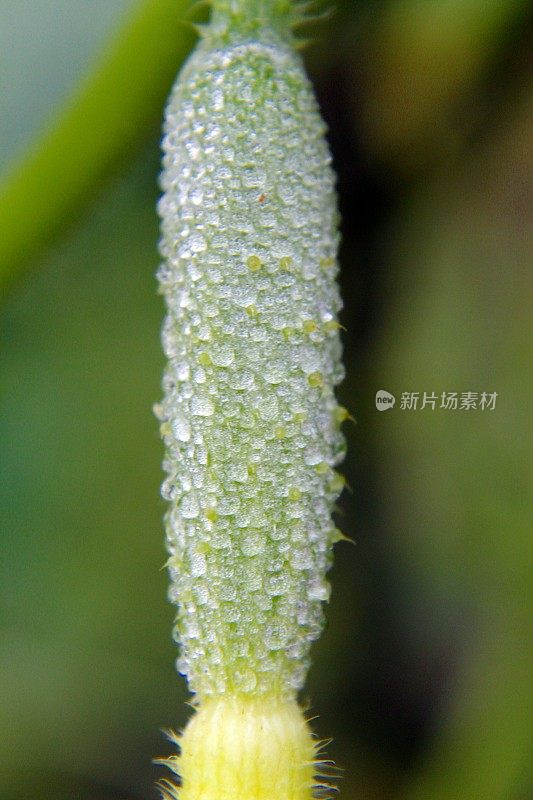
(251, 16)
(107, 118)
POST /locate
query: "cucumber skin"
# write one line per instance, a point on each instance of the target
(249, 416)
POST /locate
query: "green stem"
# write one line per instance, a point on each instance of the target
(248, 17)
(108, 117)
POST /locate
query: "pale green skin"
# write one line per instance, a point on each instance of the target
(249, 417)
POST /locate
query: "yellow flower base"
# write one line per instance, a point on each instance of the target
(239, 748)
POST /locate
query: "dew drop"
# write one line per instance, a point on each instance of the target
(197, 196)
(253, 544)
(189, 507)
(181, 429)
(197, 243)
(198, 565)
(222, 355)
(318, 590)
(202, 407)
(277, 584)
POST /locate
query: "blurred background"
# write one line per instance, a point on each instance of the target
(423, 676)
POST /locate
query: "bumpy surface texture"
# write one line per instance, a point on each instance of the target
(249, 416)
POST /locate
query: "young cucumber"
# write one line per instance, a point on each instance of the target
(249, 417)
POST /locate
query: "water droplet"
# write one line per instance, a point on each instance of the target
(198, 565)
(189, 507)
(228, 505)
(313, 456)
(218, 100)
(197, 196)
(318, 590)
(252, 544)
(253, 580)
(268, 408)
(169, 490)
(275, 637)
(227, 592)
(197, 243)
(222, 355)
(202, 406)
(241, 380)
(182, 371)
(301, 558)
(277, 585)
(181, 429)
(244, 297)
